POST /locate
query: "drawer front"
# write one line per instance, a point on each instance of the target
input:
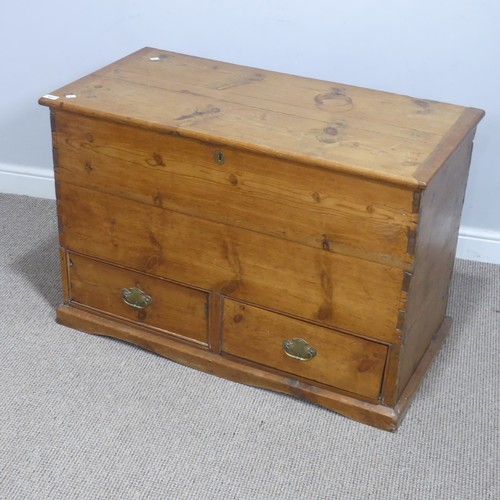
(138, 298)
(311, 206)
(336, 359)
(345, 292)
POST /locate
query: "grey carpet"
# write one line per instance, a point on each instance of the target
(87, 417)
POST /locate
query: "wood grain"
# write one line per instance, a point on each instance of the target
(175, 309)
(64, 266)
(344, 361)
(366, 412)
(374, 414)
(292, 201)
(435, 256)
(350, 294)
(339, 127)
(253, 207)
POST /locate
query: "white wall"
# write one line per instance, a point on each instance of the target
(437, 49)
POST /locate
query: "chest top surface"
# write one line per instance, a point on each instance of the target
(376, 134)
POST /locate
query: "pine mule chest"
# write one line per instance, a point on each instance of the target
(279, 231)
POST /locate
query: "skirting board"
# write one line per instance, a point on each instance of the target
(473, 243)
(479, 244)
(29, 181)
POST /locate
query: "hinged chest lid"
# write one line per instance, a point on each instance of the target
(385, 136)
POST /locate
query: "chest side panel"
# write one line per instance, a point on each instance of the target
(437, 233)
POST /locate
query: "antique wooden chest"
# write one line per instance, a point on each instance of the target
(280, 231)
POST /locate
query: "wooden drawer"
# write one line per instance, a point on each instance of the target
(343, 361)
(345, 292)
(176, 309)
(312, 206)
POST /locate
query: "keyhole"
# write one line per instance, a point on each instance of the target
(219, 157)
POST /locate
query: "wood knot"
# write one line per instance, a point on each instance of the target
(364, 366)
(328, 135)
(316, 197)
(157, 160)
(152, 262)
(230, 287)
(233, 179)
(207, 110)
(89, 137)
(237, 318)
(324, 312)
(325, 243)
(157, 199)
(330, 131)
(425, 106)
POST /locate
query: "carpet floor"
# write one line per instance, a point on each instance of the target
(88, 417)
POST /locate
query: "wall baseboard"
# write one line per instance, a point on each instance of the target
(473, 243)
(479, 244)
(29, 181)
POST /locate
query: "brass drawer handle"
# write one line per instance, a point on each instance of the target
(136, 298)
(299, 349)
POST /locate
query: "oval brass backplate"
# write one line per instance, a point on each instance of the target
(299, 349)
(136, 298)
